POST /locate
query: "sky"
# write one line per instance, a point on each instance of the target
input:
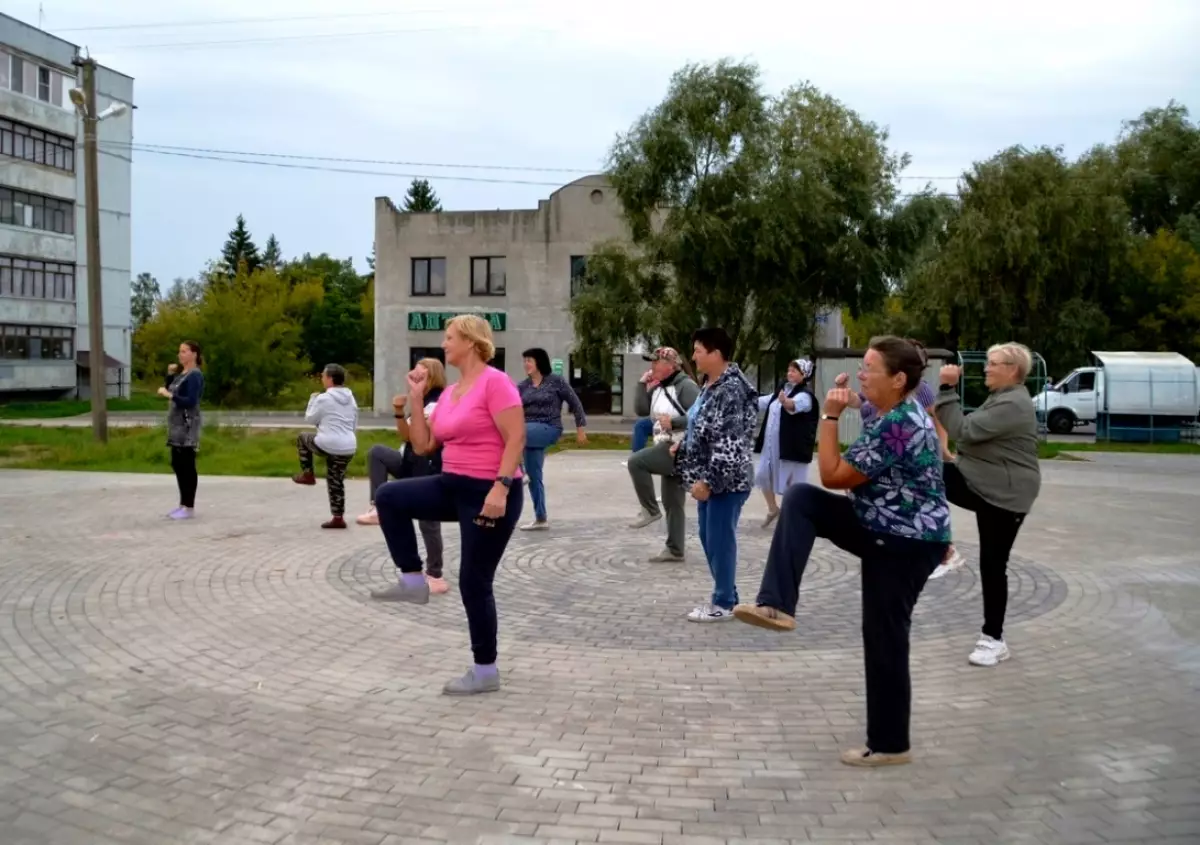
(499, 103)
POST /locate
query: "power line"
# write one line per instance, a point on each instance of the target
(342, 160)
(345, 170)
(393, 175)
(394, 163)
(239, 21)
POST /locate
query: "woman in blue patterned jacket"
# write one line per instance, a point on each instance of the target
(716, 463)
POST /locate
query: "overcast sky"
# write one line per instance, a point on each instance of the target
(537, 83)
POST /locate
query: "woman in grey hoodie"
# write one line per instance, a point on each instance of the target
(335, 414)
(996, 474)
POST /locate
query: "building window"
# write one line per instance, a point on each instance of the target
(32, 279)
(429, 277)
(18, 208)
(37, 343)
(578, 273)
(36, 145)
(33, 80)
(488, 277)
(416, 353)
(498, 359)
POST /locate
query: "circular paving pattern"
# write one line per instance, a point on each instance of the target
(576, 585)
(229, 681)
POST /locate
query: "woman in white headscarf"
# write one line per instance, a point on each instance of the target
(788, 435)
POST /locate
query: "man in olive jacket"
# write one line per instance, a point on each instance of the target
(668, 394)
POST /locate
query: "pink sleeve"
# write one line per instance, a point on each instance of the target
(501, 393)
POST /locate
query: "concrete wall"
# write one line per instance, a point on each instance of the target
(537, 245)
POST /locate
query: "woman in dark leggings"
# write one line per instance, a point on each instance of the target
(896, 520)
(183, 426)
(996, 474)
(480, 427)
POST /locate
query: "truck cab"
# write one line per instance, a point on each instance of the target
(1070, 403)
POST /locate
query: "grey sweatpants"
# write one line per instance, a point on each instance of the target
(643, 466)
(382, 462)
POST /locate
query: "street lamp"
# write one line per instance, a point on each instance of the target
(85, 104)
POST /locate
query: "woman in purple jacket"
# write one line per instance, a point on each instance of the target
(543, 394)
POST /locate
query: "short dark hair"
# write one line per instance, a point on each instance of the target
(336, 373)
(714, 339)
(900, 356)
(540, 359)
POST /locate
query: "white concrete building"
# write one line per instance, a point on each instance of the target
(515, 267)
(43, 245)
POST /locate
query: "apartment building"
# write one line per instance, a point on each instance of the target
(44, 322)
(517, 268)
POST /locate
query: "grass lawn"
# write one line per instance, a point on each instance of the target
(236, 450)
(61, 408)
(225, 450)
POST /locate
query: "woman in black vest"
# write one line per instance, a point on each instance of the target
(788, 435)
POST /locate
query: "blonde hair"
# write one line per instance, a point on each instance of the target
(437, 373)
(477, 330)
(1018, 355)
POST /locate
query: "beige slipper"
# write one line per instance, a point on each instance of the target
(764, 617)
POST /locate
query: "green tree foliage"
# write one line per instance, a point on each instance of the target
(1160, 310)
(1158, 156)
(746, 211)
(1032, 251)
(250, 329)
(335, 329)
(272, 257)
(239, 249)
(420, 197)
(143, 298)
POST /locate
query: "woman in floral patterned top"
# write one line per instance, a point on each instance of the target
(896, 519)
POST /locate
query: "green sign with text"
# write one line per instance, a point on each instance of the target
(435, 321)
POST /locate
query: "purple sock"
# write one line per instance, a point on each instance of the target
(486, 670)
(412, 579)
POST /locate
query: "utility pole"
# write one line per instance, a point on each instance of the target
(97, 360)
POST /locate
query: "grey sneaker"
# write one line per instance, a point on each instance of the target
(645, 518)
(667, 556)
(414, 593)
(472, 684)
(536, 525)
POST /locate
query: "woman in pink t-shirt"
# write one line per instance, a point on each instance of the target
(480, 427)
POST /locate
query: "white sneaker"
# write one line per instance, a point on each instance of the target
(989, 652)
(536, 525)
(710, 613)
(950, 564)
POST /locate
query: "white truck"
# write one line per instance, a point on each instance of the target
(1157, 387)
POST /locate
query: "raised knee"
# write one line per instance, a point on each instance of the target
(377, 451)
(799, 498)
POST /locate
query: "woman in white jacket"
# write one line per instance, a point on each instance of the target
(335, 414)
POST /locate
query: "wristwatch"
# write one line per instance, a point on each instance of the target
(505, 480)
(829, 417)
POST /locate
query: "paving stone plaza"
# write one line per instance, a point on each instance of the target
(228, 680)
